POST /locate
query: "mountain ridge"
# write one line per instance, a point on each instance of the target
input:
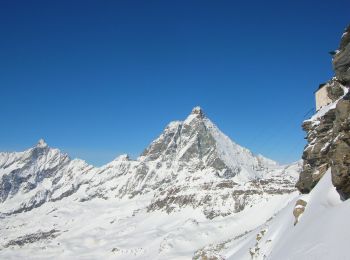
(184, 147)
(192, 174)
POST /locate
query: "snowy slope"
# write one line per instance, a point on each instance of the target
(191, 187)
(323, 229)
(321, 232)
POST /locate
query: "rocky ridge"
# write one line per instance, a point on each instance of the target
(191, 186)
(328, 132)
(191, 164)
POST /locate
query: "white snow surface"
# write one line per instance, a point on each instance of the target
(321, 233)
(192, 187)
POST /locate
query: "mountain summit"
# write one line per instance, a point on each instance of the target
(198, 111)
(192, 172)
(197, 143)
(187, 154)
(41, 143)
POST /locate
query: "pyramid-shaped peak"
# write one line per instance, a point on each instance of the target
(41, 143)
(198, 111)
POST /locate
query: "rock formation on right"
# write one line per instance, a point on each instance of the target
(328, 131)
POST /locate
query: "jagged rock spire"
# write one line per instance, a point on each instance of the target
(198, 111)
(41, 143)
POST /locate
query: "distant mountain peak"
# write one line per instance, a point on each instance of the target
(41, 143)
(198, 111)
(197, 143)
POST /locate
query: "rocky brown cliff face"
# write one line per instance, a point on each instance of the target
(341, 61)
(328, 131)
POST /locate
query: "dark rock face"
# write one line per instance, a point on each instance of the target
(33, 238)
(299, 210)
(340, 149)
(341, 61)
(329, 135)
(315, 155)
(334, 89)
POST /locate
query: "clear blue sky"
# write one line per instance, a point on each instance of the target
(101, 78)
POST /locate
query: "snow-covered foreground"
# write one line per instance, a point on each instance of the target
(122, 229)
(321, 232)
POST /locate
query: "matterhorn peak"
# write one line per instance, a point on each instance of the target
(41, 143)
(198, 111)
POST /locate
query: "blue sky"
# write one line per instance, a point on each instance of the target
(101, 78)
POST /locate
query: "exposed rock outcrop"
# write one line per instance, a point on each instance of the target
(328, 132)
(316, 153)
(334, 89)
(340, 149)
(341, 61)
(299, 210)
(33, 238)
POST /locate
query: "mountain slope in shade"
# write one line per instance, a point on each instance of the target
(188, 188)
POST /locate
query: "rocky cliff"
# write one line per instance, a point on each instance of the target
(328, 131)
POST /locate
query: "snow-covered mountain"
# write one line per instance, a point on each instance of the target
(191, 187)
